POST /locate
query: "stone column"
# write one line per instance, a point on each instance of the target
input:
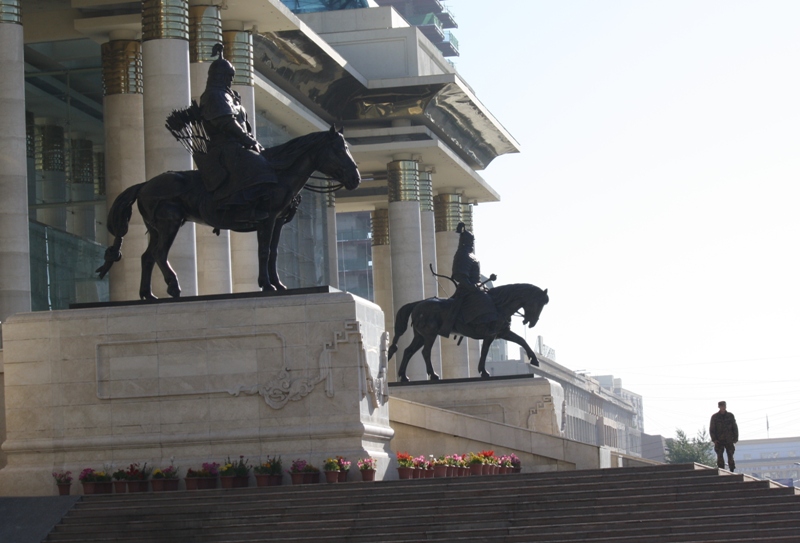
(406, 245)
(473, 345)
(15, 273)
(428, 233)
(52, 172)
(213, 252)
(123, 120)
(244, 245)
(81, 186)
(333, 242)
(382, 270)
(447, 210)
(165, 63)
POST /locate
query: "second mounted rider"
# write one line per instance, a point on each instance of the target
(470, 303)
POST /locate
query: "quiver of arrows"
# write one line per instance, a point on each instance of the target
(187, 127)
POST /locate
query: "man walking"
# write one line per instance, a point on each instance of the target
(724, 433)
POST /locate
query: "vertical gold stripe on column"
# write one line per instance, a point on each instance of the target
(205, 30)
(447, 212)
(99, 173)
(239, 52)
(82, 161)
(466, 216)
(165, 19)
(380, 227)
(30, 137)
(10, 12)
(425, 191)
(403, 181)
(122, 67)
(50, 148)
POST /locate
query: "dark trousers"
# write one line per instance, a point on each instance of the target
(729, 448)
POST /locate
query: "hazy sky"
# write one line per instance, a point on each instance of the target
(656, 195)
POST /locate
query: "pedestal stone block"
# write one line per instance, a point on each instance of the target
(296, 376)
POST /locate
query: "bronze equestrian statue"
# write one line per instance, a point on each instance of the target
(471, 312)
(240, 186)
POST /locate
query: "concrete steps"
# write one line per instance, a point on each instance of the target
(684, 503)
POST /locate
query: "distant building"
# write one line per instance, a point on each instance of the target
(592, 413)
(775, 459)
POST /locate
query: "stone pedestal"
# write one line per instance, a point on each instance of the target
(296, 376)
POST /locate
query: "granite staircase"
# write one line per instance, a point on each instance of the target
(669, 504)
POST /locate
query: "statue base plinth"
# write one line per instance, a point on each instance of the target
(299, 376)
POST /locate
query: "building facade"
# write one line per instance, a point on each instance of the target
(88, 84)
(777, 459)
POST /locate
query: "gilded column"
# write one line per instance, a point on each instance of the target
(447, 210)
(51, 173)
(123, 160)
(15, 274)
(165, 63)
(428, 233)
(382, 272)
(405, 229)
(238, 47)
(213, 252)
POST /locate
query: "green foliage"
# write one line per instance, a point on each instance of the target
(681, 449)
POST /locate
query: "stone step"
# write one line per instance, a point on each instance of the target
(677, 503)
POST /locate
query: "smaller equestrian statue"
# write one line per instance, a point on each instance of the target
(472, 312)
(239, 186)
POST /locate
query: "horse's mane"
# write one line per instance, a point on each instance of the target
(517, 292)
(284, 155)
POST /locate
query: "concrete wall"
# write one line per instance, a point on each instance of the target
(423, 429)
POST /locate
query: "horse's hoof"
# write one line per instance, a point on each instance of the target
(174, 290)
(268, 288)
(485, 374)
(147, 296)
(392, 350)
(433, 377)
(279, 286)
(403, 379)
(534, 362)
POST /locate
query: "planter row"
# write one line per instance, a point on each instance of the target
(454, 471)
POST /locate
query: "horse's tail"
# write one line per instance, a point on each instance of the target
(118, 218)
(401, 324)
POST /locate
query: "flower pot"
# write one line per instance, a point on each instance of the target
(331, 476)
(476, 469)
(308, 478)
(88, 487)
(298, 478)
(234, 481)
(451, 471)
(343, 476)
(405, 473)
(138, 486)
(440, 470)
(427, 473)
(275, 480)
(516, 470)
(416, 473)
(120, 487)
(486, 469)
(164, 485)
(200, 483)
(103, 487)
(262, 479)
(63, 488)
(367, 474)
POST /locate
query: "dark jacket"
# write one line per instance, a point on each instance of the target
(723, 428)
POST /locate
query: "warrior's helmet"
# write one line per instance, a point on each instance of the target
(466, 239)
(221, 72)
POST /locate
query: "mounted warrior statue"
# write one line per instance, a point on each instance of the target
(239, 186)
(471, 312)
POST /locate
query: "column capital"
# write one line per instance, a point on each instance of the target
(380, 226)
(205, 31)
(122, 67)
(403, 181)
(10, 12)
(447, 210)
(165, 19)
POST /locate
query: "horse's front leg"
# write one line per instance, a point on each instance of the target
(265, 230)
(508, 335)
(487, 342)
(272, 264)
(426, 355)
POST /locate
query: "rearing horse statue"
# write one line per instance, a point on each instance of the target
(427, 317)
(172, 198)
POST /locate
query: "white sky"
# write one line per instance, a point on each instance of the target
(656, 195)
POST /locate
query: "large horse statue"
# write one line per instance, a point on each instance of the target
(172, 198)
(427, 317)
